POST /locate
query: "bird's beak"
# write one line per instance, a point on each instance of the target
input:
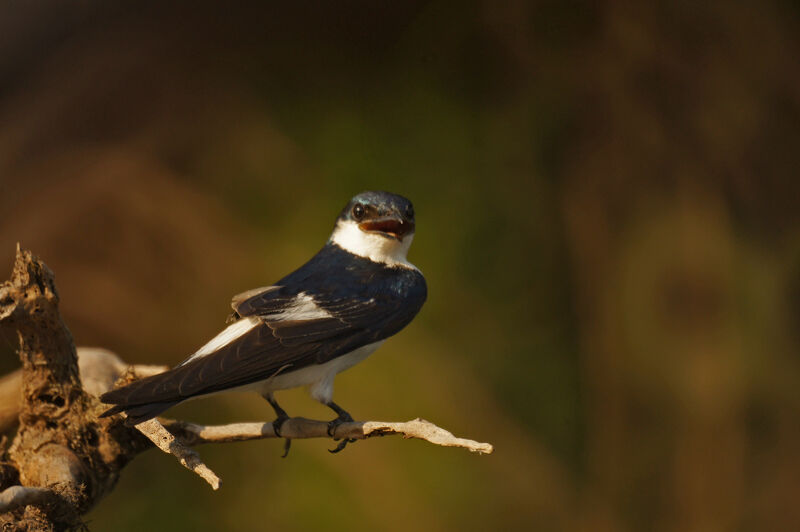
(393, 226)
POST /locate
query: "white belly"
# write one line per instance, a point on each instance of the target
(319, 377)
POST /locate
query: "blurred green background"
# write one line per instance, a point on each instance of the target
(608, 219)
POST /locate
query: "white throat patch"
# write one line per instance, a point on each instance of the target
(372, 246)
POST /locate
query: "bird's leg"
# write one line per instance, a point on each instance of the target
(279, 421)
(343, 417)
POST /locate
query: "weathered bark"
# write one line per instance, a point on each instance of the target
(61, 445)
(64, 457)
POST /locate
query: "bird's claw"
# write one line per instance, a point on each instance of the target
(287, 444)
(332, 425)
(276, 426)
(342, 445)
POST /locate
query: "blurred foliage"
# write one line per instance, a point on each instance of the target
(608, 221)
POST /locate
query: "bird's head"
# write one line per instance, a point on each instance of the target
(376, 225)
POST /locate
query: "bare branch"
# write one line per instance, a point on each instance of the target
(168, 443)
(99, 370)
(174, 437)
(16, 496)
(140, 371)
(299, 428)
(29, 302)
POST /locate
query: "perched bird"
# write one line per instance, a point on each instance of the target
(325, 317)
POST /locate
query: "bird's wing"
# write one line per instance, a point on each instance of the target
(249, 302)
(280, 337)
(286, 341)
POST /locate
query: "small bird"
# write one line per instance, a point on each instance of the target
(325, 317)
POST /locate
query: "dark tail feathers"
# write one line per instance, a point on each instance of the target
(143, 399)
(139, 413)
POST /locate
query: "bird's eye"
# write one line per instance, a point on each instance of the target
(358, 211)
(409, 212)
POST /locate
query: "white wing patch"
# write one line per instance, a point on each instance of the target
(302, 308)
(229, 334)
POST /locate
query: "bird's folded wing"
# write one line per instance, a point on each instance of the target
(277, 345)
(268, 347)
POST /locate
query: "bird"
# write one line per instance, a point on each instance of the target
(325, 317)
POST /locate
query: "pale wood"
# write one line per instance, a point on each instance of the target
(299, 428)
(168, 443)
(16, 496)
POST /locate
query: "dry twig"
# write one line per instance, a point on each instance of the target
(298, 428)
(168, 443)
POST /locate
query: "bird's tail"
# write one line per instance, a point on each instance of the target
(143, 399)
(138, 413)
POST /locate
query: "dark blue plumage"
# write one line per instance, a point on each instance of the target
(334, 276)
(337, 304)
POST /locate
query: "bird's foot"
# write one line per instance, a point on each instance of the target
(342, 445)
(279, 421)
(344, 417)
(276, 426)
